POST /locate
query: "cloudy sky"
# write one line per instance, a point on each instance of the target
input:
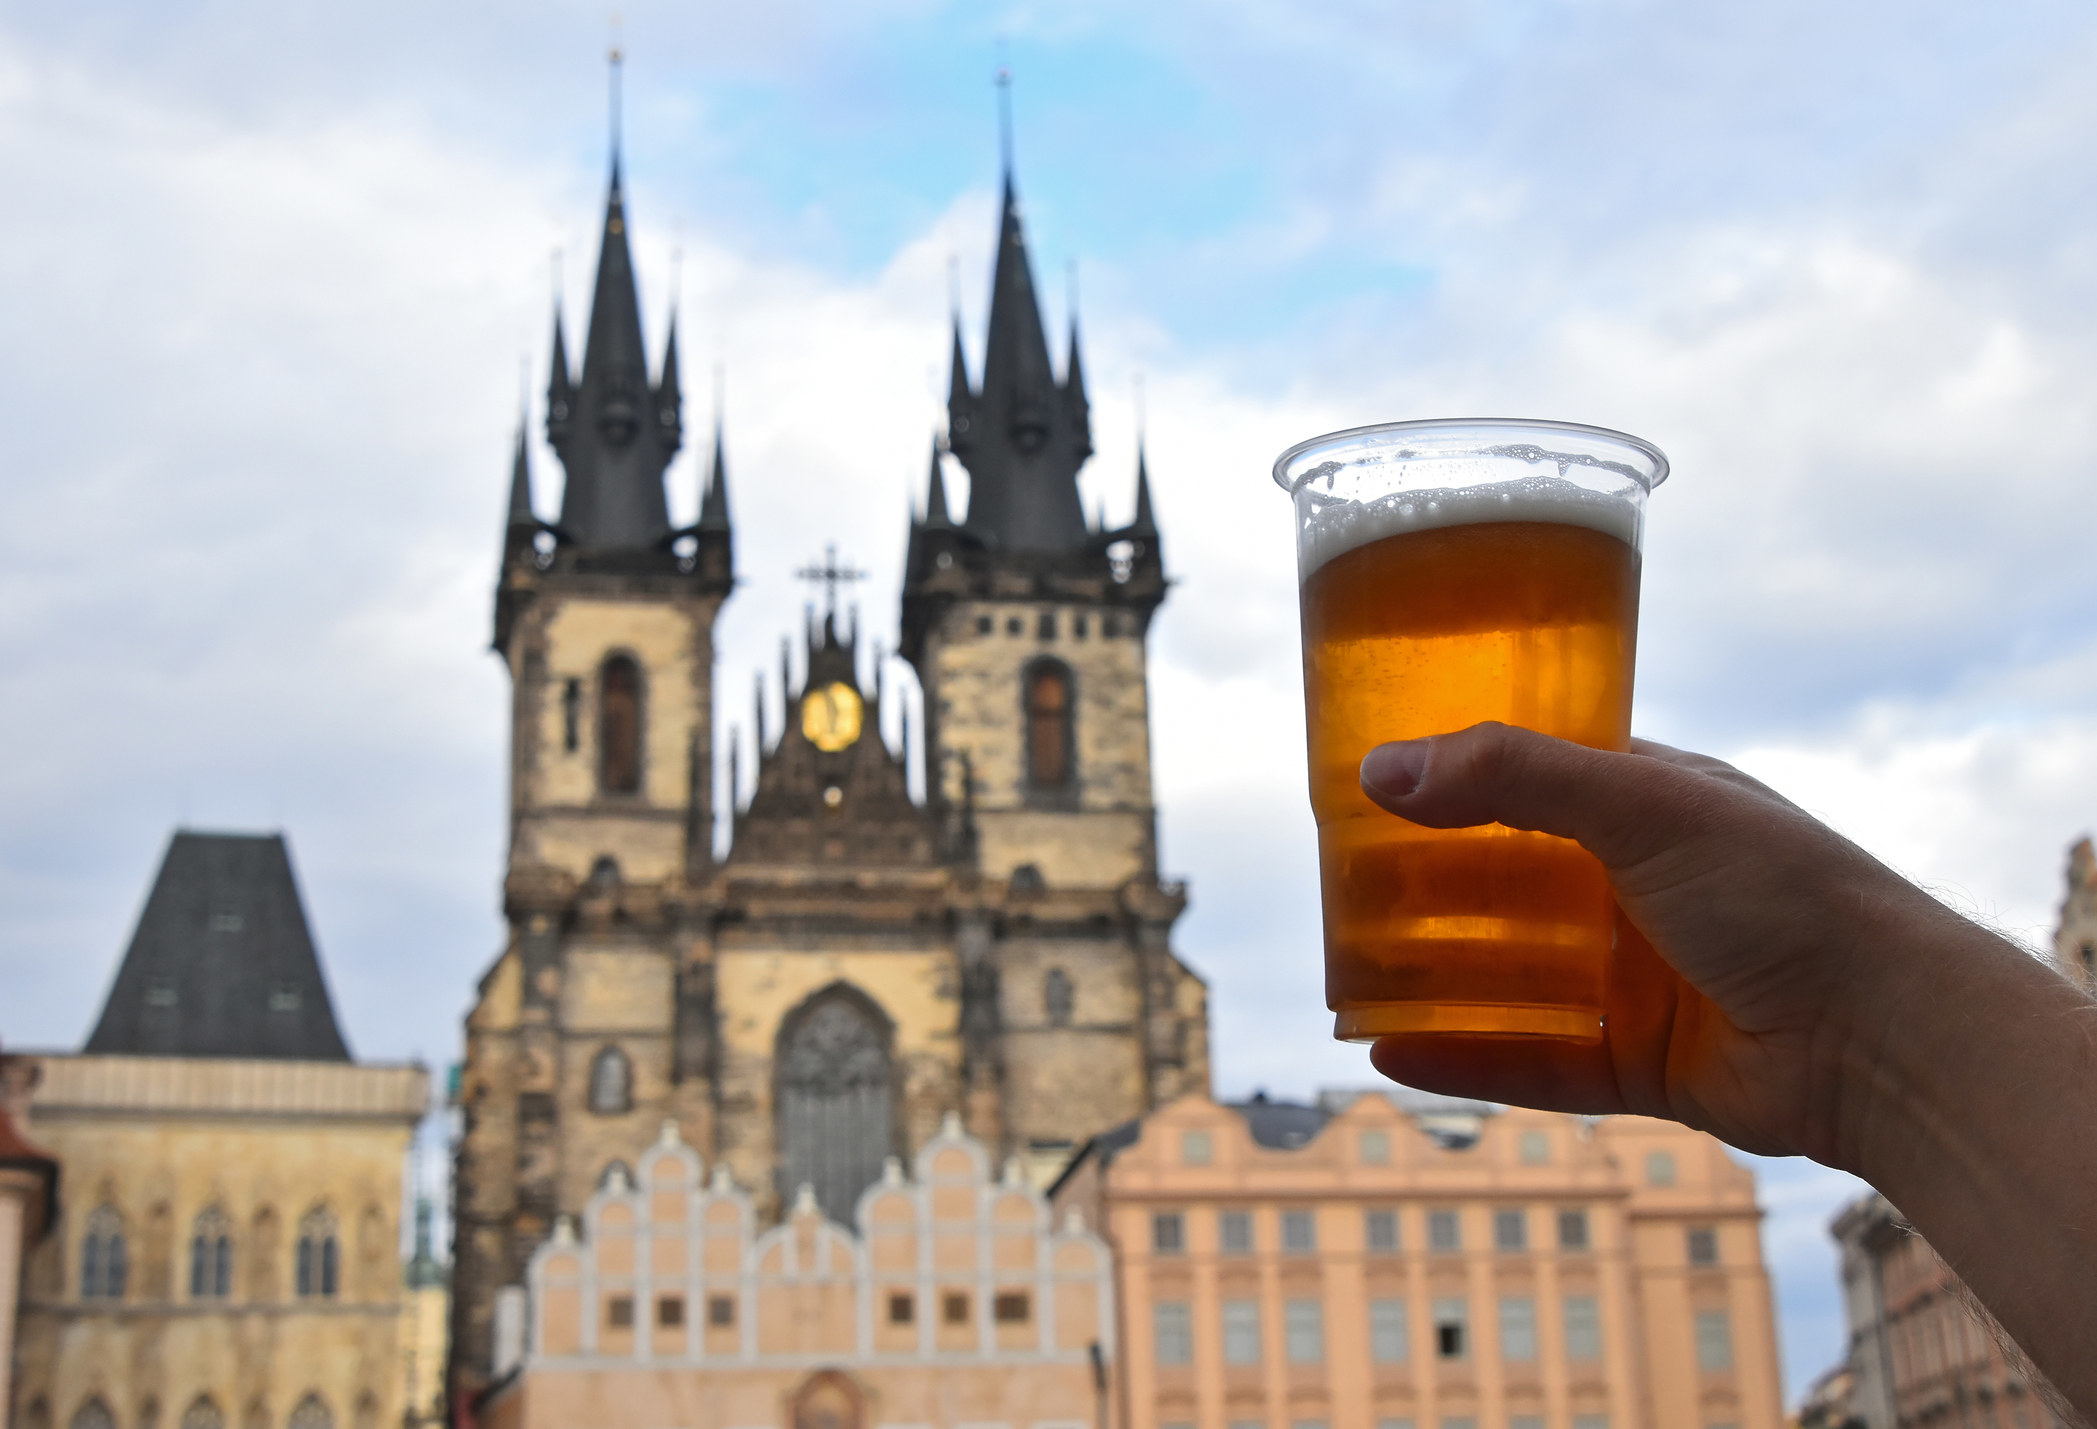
(275, 275)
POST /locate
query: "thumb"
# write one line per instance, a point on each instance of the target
(1622, 808)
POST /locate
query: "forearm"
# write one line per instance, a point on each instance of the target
(1973, 1086)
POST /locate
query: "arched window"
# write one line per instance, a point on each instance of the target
(203, 1413)
(836, 1099)
(105, 1262)
(1057, 995)
(319, 1270)
(211, 1256)
(619, 726)
(611, 1082)
(311, 1413)
(93, 1415)
(1051, 753)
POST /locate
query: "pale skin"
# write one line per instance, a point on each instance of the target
(1818, 1005)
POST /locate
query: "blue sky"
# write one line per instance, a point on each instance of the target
(274, 268)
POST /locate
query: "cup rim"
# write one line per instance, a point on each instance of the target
(1537, 424)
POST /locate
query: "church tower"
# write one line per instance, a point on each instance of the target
(604, 618)
(861, 965)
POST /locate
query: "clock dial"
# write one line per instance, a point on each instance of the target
(830, 716)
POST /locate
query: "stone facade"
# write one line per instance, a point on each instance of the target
(952, 1299)
(1921, 1350)
(228, 1248)
(2075, 940)
(860, 964)
(1385, 1261)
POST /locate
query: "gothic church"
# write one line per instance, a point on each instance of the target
(860, 963)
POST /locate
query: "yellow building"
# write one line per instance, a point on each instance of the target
(954, 1299)
(808, 980)
(227, 1253)
(1359, 1266)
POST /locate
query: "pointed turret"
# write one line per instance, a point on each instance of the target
(936, 518)
(560, 386)
(613, 446)
(1145, 523)
(713, 510)
(1075, 406)
(669, 398)
(1021, 444)
(961, 398)
(522, 524)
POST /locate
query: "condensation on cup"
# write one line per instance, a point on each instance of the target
(1452, 572)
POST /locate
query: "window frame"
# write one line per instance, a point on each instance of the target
(1064, 786)
(605, 786)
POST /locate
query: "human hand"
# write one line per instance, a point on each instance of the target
(1762, 962)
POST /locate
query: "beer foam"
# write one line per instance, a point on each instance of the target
(1335, 527)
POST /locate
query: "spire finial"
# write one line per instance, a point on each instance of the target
(1142, 420)
(1004, 80)
(618, 64)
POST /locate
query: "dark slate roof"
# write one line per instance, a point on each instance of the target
(222, 964)
(1280, 1126)
(1022, 434)
(614, 432)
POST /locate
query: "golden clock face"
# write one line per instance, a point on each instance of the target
(830, 716)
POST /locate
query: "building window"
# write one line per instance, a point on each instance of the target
(1590, 1421)
(1660, 1168)
(720, 1310)
(1303, 1323)
(312, 1412)
(1451, 1322)
(1380, 1231)
(953, 1307)
(1058, 997)
(619, 726)
(319, 1261)
(669, 1312)
(1389, 1342)
(211, 1256)
(618, 1312)
(1045, 628)
(1168, 1232)
(1535, 1148)
(1078, 628)
(611, 1082)
(1014, 625)
(902, 1310)
(1714, 1333)
(1703, 1245)
(1010, 1307)
(1444, 1232)
(1461, 1421)
(1299, 1233)
(203, 1413)
(1406, 1423)
(1234, 1232)
(1510, 1229)
(1049, 743)
(1572, 1230)
(984, 625)
(1583, 1327)
(1196, 1149)
(836, 1099)
(1241, 1332)
(1517, 1327)
(1374, 1148)
(1526, 1421)
(571, 716)
(1173, 1328)
(105, 1265)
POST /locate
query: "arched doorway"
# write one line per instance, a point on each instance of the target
(829, 1399)
(836, 1098)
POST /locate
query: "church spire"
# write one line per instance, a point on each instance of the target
(1145, 523)
(521, 518)
(613, 446)
(1024, 437)
(936, 518)
(713, 509)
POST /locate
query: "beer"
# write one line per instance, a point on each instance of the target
(1466, 593)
